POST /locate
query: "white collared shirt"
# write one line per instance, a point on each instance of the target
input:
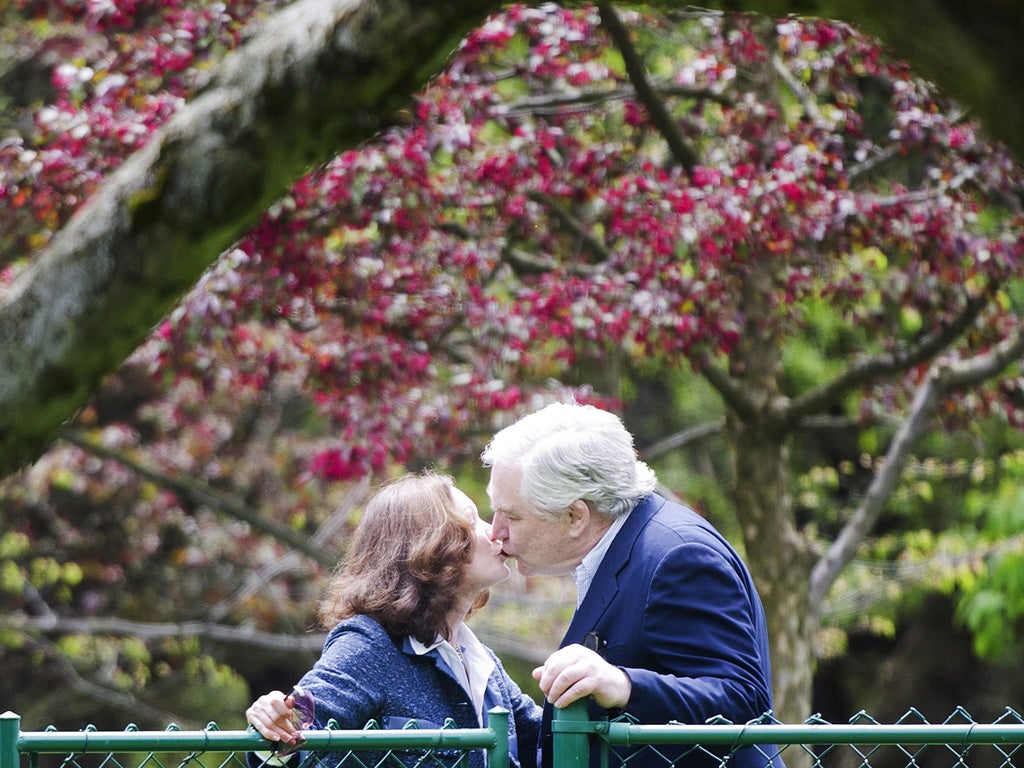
(583, 574)
(471, 664)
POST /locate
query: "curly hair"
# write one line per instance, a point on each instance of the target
(408, 561)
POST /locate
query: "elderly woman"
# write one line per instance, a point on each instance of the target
(398, 648)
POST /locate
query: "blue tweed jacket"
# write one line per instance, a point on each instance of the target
(365, 674)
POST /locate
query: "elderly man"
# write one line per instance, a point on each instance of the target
(668, 624)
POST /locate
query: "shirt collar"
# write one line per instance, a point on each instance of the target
(464, 637)
(583, 574)
(471, 664)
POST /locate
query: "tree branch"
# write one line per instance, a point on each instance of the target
(105, 625)
(733, 394)
(310, 643)
(944, 376)
(890, 152)
(559, 103)
(876, 366)
(805, 97)
(681, 438)
(526, 263)
(589, 243)
(680, 148)
(102, 694)
(865, 594)
(327, 74)
(199, 493)
(291, 561)
(984, 73)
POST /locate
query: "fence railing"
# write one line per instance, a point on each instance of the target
(912, 742)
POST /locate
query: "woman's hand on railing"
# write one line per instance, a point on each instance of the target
(281, 718)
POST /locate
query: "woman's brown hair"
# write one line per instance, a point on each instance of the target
(407, 562)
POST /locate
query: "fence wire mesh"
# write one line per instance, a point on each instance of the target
(912, 741)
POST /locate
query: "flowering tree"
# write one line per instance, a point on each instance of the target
(577, 191)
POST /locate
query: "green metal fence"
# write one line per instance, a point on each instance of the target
(911, 742)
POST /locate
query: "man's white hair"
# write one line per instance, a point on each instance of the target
(569, 451)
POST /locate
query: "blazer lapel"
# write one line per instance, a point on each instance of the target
(605, 585)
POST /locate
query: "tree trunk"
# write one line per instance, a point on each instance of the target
(775, 551)
(778, 561)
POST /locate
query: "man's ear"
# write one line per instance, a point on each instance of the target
(579, 517)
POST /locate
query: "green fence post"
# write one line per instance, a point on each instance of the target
(570, 742)
(10, 727)
(497, 721)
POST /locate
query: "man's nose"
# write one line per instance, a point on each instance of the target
(498, 528)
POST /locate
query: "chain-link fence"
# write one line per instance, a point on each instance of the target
(372, 747)
(862, 742)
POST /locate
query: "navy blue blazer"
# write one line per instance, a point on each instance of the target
(673, 605)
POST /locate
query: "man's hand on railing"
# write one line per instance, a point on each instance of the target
(574, 672)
